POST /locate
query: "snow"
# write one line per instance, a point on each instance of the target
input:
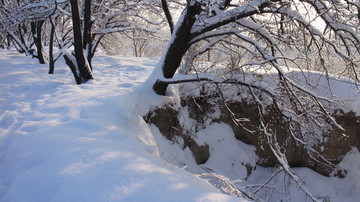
(341, 89)
(220, 138)
(65, 142)
(225, 15)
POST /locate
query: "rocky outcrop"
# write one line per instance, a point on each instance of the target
(166, 119)
(321, 155)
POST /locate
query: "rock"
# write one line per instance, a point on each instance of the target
(321, 154)
(166, 119)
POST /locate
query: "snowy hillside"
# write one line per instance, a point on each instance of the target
(65, 142)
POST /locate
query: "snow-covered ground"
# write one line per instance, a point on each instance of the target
(63, 142)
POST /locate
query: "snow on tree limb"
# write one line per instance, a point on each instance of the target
(225, 17)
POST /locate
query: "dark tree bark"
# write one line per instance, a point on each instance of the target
(8, 38)
(82, 65)
(21, 37)
(182, 36)
(51, 47)
(282, 27)
(168, 15)
(36, 33)
(73, 68)
(178, 47)
(87, 41)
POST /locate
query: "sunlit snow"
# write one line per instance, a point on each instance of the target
(65, 142)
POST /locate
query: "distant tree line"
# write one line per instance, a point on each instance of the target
(76, 29)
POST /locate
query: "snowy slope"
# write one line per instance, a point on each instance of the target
(63, 142)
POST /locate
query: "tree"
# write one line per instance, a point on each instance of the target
(78, 63)
(261, 37)
(104, 17)
(137, 21)
(62, 24)
(51, 47)
(36, 33)
(17, 18)
(87, 41)
(201, 20)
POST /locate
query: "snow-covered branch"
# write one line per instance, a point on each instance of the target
(225, 17)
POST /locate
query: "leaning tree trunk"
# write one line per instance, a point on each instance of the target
(84, 71)
(178, 47)
(21, 44)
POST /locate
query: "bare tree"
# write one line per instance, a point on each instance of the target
(202, 20)
(36, 33)
(269, 36)
(138, 22)
(81, 24)
(104, 17)
(14, 17)
(81, 68)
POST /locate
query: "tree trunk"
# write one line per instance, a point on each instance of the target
(178, 47)
(8, 38)
(82, 64)
(73, 68)
(87, 41)
(282, 27)
(18, 44)
(51, 47)
(36, 32)
(168, 15)
(23, 47)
